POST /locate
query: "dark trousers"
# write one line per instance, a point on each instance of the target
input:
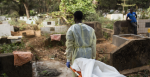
(134, 24)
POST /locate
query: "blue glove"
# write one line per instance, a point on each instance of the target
(68, 64)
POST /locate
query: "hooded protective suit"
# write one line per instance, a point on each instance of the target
(81, 42)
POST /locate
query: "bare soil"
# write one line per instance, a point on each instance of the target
(36, 46)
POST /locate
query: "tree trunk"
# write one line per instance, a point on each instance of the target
(27, 10)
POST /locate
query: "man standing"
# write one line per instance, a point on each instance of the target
(81, 40)
(132, 15)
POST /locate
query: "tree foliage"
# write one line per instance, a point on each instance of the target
(70, 6)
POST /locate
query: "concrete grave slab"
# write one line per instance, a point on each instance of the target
(123, 27)
(144, 24)
(30, 21)
(5, 30)
(2, 18)
(21, 18)
(115, 16)
(132, 54)
(120, 39)
(7, 67)
(12, 28)
(54, 29)
(25, 18)
(48, 23)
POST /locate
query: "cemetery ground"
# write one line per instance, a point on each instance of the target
(47, 56)
(35, 43)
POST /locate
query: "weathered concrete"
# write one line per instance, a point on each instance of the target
(97, 27)
(7, 66)
(119, 40)
(48, 23)
(30, 21)
(54, 29)
(5, 30)
(132, 54)
(2, 18)
(123, 27)
(115, 16)
(142, 25)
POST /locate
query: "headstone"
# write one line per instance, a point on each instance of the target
(134, 53)
(97, 27)
(30, 21)
(12, 28)
(36, 17)
(2, 18)
(21, 18)
(5, 30)
(123, 27)
(25, 19)
(115, 16)
(48, 23)
(9, 18)
(54, 29)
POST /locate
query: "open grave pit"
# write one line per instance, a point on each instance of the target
(121, 39)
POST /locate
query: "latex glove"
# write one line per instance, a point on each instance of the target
(68, 64)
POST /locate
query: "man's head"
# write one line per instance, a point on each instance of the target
(131, 10)
(78, 15)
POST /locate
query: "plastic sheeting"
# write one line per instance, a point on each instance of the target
(94, 68)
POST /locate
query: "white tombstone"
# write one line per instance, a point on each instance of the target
(12, 28)
(115, 16)
(39, 14)
(5, 30)
(5, 22)
(21, 18)
(25, 18)
(54, 29)
(48, 23)
(36, 17)
(2, 18)
(30, 21)
(9, 18)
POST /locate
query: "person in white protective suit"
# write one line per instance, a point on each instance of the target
(81, 40)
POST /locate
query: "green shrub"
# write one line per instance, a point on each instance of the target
(92, 17)
(14, 23)
(9, 48)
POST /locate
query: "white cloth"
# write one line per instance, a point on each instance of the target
(94, 68)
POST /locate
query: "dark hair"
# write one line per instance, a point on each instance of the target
(78, 15)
